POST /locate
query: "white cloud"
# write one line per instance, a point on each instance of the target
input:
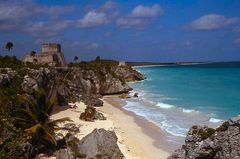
(47, 29)
(140, 16)
(93, 46)
(211, 22)
(147, 11)
(109, 5)
(18, 10)
(93, 19)
(130, 22)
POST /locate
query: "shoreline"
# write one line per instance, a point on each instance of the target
(137, 138)
(148, 127)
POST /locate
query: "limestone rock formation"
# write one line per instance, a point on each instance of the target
(71, 127)
(100, 143)
(208, 143)
(91, 114)
(92, 100)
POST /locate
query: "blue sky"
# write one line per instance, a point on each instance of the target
(136, 30)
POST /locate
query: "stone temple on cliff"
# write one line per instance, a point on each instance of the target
(51, 54)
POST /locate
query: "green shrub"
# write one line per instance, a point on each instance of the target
(223, 127)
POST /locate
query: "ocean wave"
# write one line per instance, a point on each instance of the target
(187, 110)
(164, 106)
(173, 129)
(214, 120)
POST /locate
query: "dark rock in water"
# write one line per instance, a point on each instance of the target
(135, 95)
(208, 143)
(72, 127)
(98, 144)
(92, 100)
(91, 114)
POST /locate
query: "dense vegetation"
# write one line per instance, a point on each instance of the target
(25, 125)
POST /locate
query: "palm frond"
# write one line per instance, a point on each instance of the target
(28, 114)
(50, 105)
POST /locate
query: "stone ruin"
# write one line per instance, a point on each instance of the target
(122, 63)
(51, 54)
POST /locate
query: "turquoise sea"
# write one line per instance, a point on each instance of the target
(177, 97)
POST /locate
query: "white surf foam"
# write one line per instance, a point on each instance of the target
(214, 120)
(164, 106)
(187, 110)
(173, 130)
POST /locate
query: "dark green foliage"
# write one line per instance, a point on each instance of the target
(9, 46)
(99, 156)
(33, 53)
(74, 148)
(98, 58)
(35, 119)
(12, 139)
(75, 58)
(204, 133)
(10, 62)
(223, 127)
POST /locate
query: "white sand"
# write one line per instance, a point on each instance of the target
(133, 143)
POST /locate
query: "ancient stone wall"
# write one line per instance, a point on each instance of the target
(51, 54)
(51, 47)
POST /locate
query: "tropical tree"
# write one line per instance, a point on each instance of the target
(33, 53)
(9, 46)
(75, 58)
(97, 58)
(35, 118)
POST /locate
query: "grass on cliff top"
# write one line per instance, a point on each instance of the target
(94, 64)
(16, 64)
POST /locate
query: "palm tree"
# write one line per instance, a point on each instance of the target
(75, 58)
(9, 46)
(33, 53)
(98, 58)
(35, 119)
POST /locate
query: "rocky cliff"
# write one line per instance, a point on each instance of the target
(208, 143)
(86, 81)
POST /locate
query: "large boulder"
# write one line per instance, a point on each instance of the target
(91, 114)
(71, 127)
(92, 100)
(208, 143)
(29, 84)
(37, 78)
(100, 143)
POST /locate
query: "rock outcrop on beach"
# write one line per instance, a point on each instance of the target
(91, 114)
(100, 143)
(208, 143)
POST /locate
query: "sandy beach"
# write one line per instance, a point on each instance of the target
(135, 136)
